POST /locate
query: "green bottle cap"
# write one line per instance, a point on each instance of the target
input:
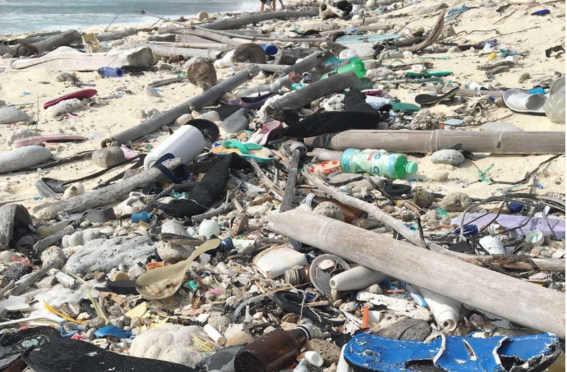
(411, 167)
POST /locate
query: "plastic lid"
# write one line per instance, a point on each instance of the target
(314, 358)
(411, 167)
(308, 330)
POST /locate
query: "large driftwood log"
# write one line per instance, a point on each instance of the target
(215, 46)
(11, 216)
(521, 302)
(115, 35)
(169, 51)
(55, 41)
(227, 24)
(413, 237)
(430, 141)
(72, 60)
(106, 195)
(302, 97)
(196, 103)
(210, 35)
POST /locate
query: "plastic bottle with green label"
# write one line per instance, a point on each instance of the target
(377, 162)
(356, 66)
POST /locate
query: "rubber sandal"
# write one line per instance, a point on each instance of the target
(395, 189)
(81, 94)
(12, 345)
(520, 101)
(404, 107)
(366, 352)
(251, 103)
(247, 150)
(320, 315)
(262, 135)
(426, 100)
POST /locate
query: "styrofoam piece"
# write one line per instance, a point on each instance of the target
(356, 278)
(208, 228)
(445, 310)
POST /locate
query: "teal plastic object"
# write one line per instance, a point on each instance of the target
(356, 66)
(379, 163)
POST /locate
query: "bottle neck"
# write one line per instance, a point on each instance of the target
(309, 199)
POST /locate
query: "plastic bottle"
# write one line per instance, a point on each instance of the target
(110, 72)
(356, 66)
(225, 61)
(297, 276)
(273, 352)
(349, 212)
(554, 107)
(186, 143)
(377, 162)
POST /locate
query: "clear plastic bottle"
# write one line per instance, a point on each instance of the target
(554, 107)
(110, 72)
(350, 213)
(356, 66)
(377, 162)
(274, 351)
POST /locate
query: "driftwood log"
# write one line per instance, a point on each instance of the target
(169, 51)
(300, 98)
(433, 35)
(521, 302)
(215, 46)
(55, 41)
(115, 35)
(196, 103)
(307, 64)
(412, 236)
(210, 35)
(12, 216)
(422, 141)
(103, 196)
(76, 61)
(227, 24)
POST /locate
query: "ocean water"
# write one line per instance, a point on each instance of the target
(17, 16)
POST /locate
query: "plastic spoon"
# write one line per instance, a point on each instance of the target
(163, 282)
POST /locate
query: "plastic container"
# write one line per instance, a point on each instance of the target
(554, 107)
(356, 279)
(274, 351)
(225, 61)
(110, 72)
(270, 50)
(208, 228)
(356, 66)
(186, 143)
(492, 244)
(377, 162)
(350, 213)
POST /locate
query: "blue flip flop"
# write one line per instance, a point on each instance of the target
(366, 352)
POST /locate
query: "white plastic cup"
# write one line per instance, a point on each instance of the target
(186, 143)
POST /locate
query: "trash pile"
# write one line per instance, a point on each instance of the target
(330, 198)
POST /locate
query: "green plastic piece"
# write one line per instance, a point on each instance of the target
(356, 66)
(428, 74)
(404, 107)
(379, 163)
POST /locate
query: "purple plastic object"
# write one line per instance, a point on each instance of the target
(510, 221)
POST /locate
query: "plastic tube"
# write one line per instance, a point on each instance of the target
(445, 310)
(356, 278)
(215, 335)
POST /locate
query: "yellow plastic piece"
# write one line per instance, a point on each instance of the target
(138, 311)
(491, 56)
(50, 308)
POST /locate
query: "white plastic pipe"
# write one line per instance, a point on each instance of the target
(445, 310)
(342, 365)
(215, 335)
(356, 278)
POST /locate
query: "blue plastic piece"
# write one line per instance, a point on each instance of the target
(463, 354)
(536, 91)
(142, 216)
(269, 49)
(516, 207)
(470, 231)
(112, 331)
(541, 12)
